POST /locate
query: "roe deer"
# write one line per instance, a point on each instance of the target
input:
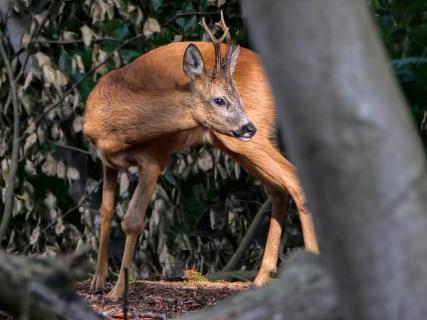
(166, 101)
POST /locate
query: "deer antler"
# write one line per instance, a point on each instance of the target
(227, 58)
(217, 44)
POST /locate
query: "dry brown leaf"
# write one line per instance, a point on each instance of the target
(151, 26)
(73, 173)
(30, 141)
(87, 35)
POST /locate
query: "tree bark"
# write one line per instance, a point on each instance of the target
(42, 289)
(352, 139)
(14, 158)
(304, 291)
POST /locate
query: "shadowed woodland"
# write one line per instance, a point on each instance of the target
(54, 52)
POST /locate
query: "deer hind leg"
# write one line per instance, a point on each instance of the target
(107, 209)
(260, 158)
(133, 221)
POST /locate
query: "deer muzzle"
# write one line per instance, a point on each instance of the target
(245, 132)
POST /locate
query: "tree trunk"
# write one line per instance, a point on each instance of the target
(42, 289)
(304, 291)
(352, 139)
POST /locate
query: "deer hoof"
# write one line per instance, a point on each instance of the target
(116, 293)
(262, 278)
(98, 282)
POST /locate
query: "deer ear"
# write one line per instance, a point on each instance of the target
(193, 62)
(233, 60)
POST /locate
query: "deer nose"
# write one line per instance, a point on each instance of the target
(245, 132)
(248, 128)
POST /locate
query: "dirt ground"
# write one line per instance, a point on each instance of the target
(159, 299)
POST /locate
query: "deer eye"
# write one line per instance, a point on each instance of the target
(219, 101)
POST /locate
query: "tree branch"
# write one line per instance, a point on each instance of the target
(42, 289)
(232, 263)
(75, 41)
(304, 291)
(192, 13)
(65, 146)
(10, 182)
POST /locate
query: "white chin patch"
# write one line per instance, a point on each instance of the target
(244, 138)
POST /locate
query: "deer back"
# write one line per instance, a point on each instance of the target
(113, 104)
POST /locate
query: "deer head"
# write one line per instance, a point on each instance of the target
(217, 104)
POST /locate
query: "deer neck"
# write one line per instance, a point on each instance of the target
(170, 110)
(156, 113)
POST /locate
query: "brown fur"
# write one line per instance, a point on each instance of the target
(142, 113)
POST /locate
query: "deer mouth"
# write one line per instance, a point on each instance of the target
(246, 139)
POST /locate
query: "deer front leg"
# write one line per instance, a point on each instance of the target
(272, 246)
(261, 158)
(133, 222)
(307, 226)
(107, 208)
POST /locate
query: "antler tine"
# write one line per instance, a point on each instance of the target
(227, 58)
(224, 28)
(209, 31)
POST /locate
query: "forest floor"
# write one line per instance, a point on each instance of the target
(159, 299)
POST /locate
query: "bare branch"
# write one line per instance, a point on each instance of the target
(65, 146)
(10, 182)
(192, 13)
(75, 41)
(232, 263)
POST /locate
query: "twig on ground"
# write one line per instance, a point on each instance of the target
(125, 295)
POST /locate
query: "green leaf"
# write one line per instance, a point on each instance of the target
(115, 28)
(156, 4)
(129, 54)
(64, 62)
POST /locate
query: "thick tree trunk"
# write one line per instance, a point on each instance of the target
(42, 289)
(353, 141)
(304, 291)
